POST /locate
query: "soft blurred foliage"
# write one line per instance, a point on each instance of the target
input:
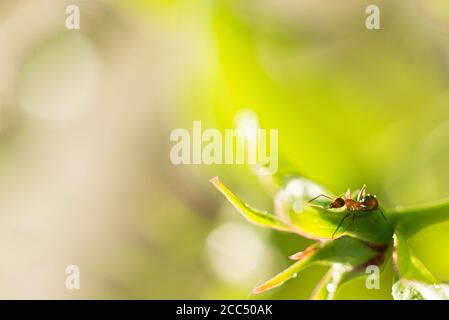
(85, 118)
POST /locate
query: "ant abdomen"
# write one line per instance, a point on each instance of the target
(369, 202)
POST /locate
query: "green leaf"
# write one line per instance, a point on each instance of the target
(413, 220)
(327, 287)
(319, 223)
(413, 281)
(406, 264)
(294, 213)
(257, 217)
(287, 274)
(346, 252)
(416, 290)
(338, 273)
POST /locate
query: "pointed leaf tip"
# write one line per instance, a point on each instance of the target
(257, 217)
(282, 277)
(214, 180)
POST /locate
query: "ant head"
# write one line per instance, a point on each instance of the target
(370, 202)
(337, 203)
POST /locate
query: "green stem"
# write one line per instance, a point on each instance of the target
(414, 219)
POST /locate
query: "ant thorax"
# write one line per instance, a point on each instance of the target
(352, 205)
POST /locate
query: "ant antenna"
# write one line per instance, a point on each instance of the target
(320, 195)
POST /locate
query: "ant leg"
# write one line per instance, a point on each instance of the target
(362, 192)
(353, 218)
(383, 215)
(320, 195)
(339, 225)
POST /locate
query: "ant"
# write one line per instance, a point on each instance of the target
(363, 202)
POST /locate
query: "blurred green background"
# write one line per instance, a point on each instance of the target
(86, 115)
